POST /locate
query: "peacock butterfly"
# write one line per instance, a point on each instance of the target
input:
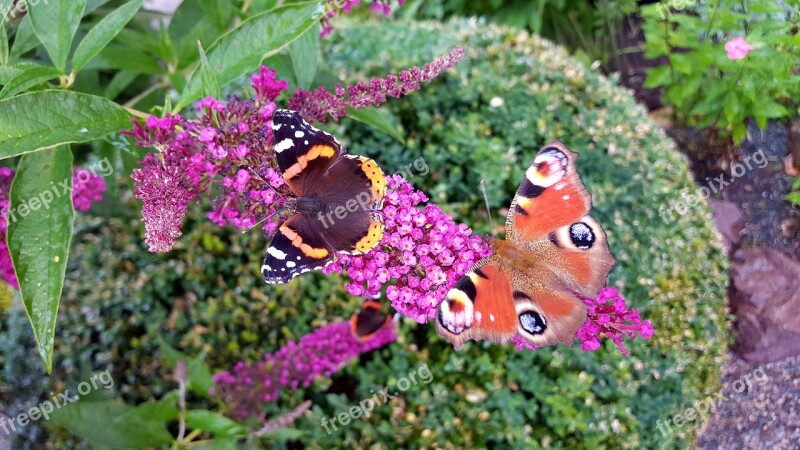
(553, 253)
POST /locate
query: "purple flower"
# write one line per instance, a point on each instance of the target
(266, 86)
(88, 188)
(227, 146)
(6, 267)
(249, 387)
(422, 280)
(379, 6)
(609, 316)
(316, 106)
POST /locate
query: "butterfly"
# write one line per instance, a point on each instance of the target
(368, 320)
(553, 253)
(335, 199)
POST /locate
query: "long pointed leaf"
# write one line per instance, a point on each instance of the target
(55, 23)
(101, 34)
(44, 119)
(29, 77)
(39, 233)
(305, 55)
(242, 49)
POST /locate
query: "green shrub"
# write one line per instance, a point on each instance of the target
(207, 295)
(707, 88)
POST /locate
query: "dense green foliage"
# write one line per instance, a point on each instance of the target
(484, 120)
(589, 29)
(707, 88)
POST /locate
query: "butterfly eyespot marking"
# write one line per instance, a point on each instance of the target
(533, 322)
(548, 168)
(581, 235)
(456, 313)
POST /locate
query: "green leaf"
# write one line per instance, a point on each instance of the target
(55, 23)
(5, 56)
(121, 80)
(101, 34)
(39, 234)
(25, 39)
(122, 58)
(770, 109)
(241, 50)
(28, 78)
(43, 119)
(107, 423)
(794, 197)
(5, 9)
(378, 118)
(658, 76)
(214, 423)
(200, 378)
(208, 78)
(219, 12)
(739, 131)
(732, 107)
(189, 25)
(163, 410)
(305, 55)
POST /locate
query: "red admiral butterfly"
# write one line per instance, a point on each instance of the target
(334, 199)
(369, 320)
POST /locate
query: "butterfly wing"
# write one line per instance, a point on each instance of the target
(567, 250)
(297, 247)
(554, 251)
(353, 189)
(302, 149)
(368, 320)
(480, 306)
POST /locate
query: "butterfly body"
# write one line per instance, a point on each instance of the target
(554, 253)
(334, 200)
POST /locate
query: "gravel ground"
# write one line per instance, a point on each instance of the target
(761, 409)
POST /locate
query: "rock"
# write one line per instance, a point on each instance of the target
(728, 220)
(765, 297)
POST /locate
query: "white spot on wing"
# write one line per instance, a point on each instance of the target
(276, 253)
(299, 134)
(290, 264)
(283, 145)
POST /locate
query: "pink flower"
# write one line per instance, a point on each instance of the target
(266, 86)
(249, 387)
(737, 48)
(422, 280)
(88, 188)
(608, 316)
(228, 145)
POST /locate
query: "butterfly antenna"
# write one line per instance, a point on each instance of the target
(488, 210)
(266, 182)
(261, 221)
